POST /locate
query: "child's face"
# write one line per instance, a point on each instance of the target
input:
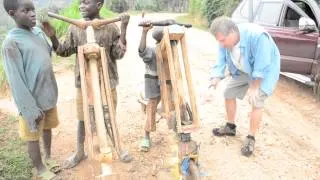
(90, 8)
(24, 16)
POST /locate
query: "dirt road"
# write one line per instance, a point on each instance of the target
(287, 145)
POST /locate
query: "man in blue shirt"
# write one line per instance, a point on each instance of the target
(253, 61)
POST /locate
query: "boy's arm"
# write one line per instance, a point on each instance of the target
(145, 53)
(124, 24)
(22, 95)
(64, 49)
(118, 49)
(143, 40)
(119, 42)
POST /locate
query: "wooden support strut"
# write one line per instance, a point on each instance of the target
(191, 91)
(112, 108)
(89, 134)
(163, 83)
(166, 42)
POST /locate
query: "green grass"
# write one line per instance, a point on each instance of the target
(136, 13)
(63, 62)
(196, 20)
(14, 161)
(3, 77)
(72, 11)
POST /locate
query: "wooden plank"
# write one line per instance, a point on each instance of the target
(173, 76)
(191, 91)
(104, 102)
(103, 88)
(163, 84)
(98, 111)
(179, 85)
(112, 108)
(176, 32)
(175, 36)
(168, 81)
(88, 128)
(166, 72)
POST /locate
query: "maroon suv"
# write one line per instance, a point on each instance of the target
(299, 45)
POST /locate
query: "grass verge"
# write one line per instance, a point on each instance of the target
(14, 160)
(196, 20)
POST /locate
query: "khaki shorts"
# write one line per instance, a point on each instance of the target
(80, 114)
(237, 87)
(50, 121)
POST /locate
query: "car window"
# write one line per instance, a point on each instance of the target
(245, 8)
(307, 9)
(291, 18)
(268, 13)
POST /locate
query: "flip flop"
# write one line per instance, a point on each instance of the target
(145, 144)
(47, 175)
(125, 157)
(52, 165)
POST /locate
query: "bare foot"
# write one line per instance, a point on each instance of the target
(74, 160)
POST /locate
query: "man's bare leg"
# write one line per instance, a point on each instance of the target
(231, 109)
(255, 119)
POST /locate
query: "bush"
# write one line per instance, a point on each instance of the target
(152, 5)
(215, 8)
(72, 11)
(194, 6)
(119, 6)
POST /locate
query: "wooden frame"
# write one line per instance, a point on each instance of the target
(168, 64)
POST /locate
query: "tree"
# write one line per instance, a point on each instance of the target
(215, 8)
(119, 6)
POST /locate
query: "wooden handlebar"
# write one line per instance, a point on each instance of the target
(165, 23)
(96, 23)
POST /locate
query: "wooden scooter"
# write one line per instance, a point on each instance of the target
(173, 98)
(102, 134)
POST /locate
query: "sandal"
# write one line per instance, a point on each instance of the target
(248, 146)
(145, 144)
(226, 130)
(125, 156)
(52, 165)
(47, 175)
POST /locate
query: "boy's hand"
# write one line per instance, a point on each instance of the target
(48, 29)
(146, 25)
(39, 119)
(125, 18)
